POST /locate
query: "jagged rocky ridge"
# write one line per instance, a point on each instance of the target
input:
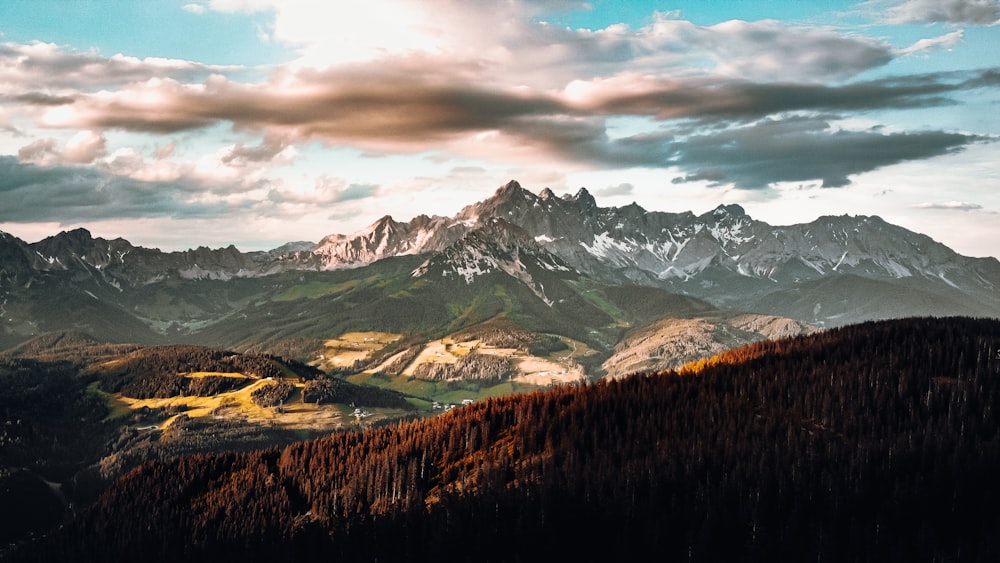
(723, 255)
(651, 245)
(831, 271)
(496, 245)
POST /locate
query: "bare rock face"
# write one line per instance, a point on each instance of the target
(672, 342)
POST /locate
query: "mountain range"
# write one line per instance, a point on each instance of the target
(553, 264)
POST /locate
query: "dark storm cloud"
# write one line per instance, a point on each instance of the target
(400, 108)
(751, 156)
(71, 194)
(714, 100)
(386, 108)
(40, 99)
(800, 150)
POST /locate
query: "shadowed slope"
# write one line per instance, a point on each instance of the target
(873, 442)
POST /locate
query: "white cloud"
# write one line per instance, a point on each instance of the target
(128, 162)
(48, 74)
(623, 189)
(946, 42)
(194, 8)
(327, 190)
(506, 42)
(955, 205)
(84, 147)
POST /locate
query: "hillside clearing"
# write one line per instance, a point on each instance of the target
(237, 405)
(351, 347)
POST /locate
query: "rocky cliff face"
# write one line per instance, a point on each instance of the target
(496, 246)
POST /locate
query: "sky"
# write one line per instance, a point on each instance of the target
(176, 124)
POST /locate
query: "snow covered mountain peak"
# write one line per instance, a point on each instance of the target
(495, 246)
(723, 255)
(631, 244)
(731, 210)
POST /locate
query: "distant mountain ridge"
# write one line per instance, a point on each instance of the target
(829, 272)
(650, 246)
(723, 255)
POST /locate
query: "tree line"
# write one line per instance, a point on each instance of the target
(158, 371)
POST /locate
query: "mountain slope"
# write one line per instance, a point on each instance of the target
(871, 442)
(498, 246)
(669, 343)
(481, 277)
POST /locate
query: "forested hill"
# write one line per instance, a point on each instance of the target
(875, 442)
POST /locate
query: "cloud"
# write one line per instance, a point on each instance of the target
(71, 194)
(946, 42)
(622, 189)
(770, 50)
(193, 8)
(801, 150)
(720, 99)
(328, 190)
(399, 108)
(82, 148)
(969, 12)
(128, 162)
(748, 142)
(405, 108)
(952, 205)
(40, 151)
(514, 42)
(165, 151)
(358, 191)
(271, 150)
(374, 109)
(28, 70)
(39, 99)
